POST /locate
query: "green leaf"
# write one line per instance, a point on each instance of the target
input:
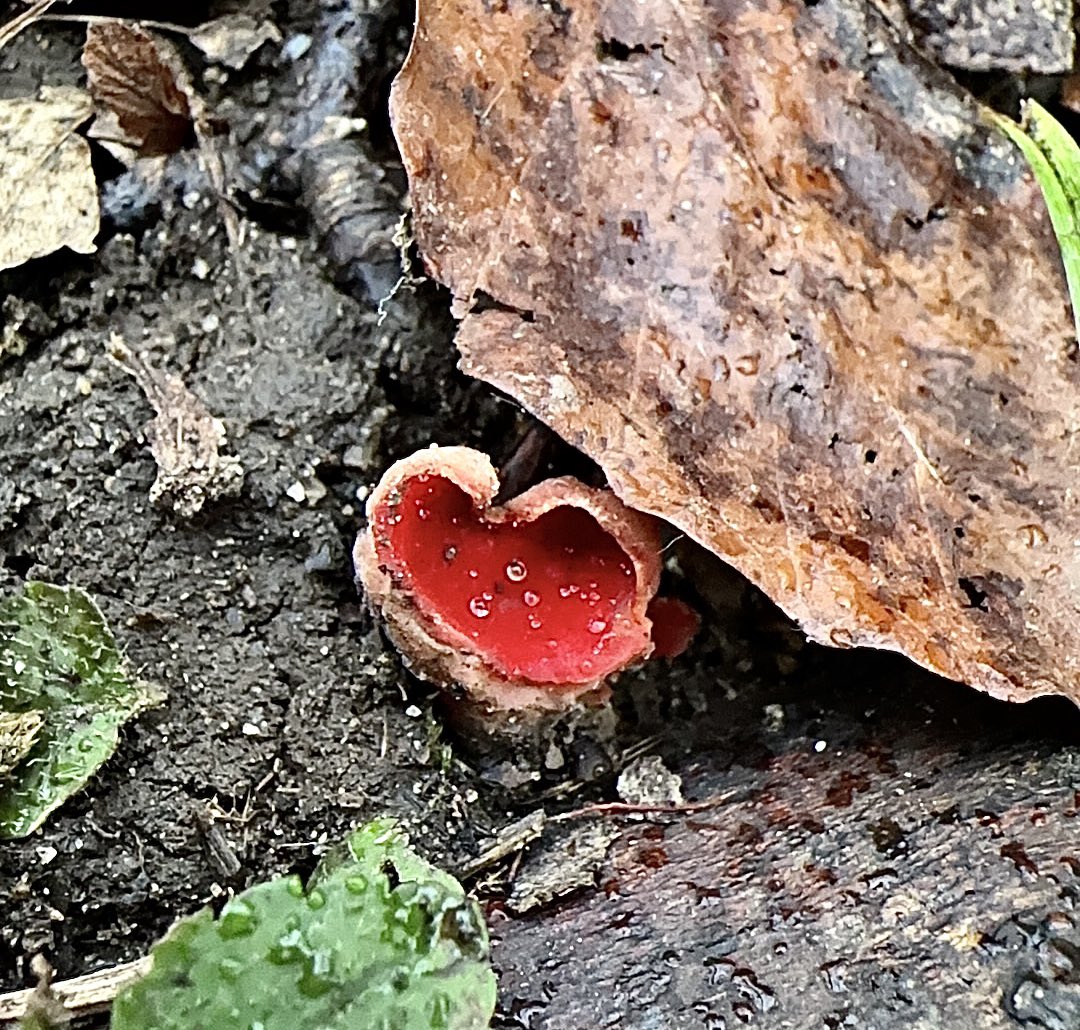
(61, 675)
(379, 940)
(1054, 158)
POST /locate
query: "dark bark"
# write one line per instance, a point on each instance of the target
(921, 871)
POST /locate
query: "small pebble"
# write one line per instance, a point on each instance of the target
(296, 46)
(353, 457)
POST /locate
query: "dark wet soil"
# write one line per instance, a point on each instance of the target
(289, 719)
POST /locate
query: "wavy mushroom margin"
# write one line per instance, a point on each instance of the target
(436, 651)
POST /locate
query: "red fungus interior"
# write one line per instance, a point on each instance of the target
(547, 601)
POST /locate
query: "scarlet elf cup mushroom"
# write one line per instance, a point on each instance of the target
(533, 604)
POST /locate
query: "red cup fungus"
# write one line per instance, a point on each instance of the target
(531, 604)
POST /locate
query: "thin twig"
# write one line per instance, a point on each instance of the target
(626, 808)
(82, 995)
(22, 21)
(510, 839)
(107, 19)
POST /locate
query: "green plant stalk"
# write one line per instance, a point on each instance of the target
(1054, 157)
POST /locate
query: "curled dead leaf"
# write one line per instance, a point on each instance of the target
(780, 279)
(141, 87)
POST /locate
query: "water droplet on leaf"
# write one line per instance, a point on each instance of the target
(230, 968)
(238, 919)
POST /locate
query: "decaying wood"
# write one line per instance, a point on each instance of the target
(907, 867)
(780, 279)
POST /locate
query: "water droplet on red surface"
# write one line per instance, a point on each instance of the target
(516, 571)
(457, 566)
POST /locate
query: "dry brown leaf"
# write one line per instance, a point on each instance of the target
(185, 439)
(140, 84)
(778, 278)
(48, 194)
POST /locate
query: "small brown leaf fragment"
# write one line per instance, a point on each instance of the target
(788, 288)
(566, 862)
(184, 438)
(48, 194)
(141, 86)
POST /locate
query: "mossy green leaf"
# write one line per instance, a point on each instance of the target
(1054, 157)
(62, 674)
(377, 940)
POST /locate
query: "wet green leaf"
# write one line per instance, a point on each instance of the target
(59, 668)
(378, 940)
(1054, 158)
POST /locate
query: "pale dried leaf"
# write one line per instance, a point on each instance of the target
(568, 863)
(184, 438)
(18, 733)
(48, 194)
(232, 39)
